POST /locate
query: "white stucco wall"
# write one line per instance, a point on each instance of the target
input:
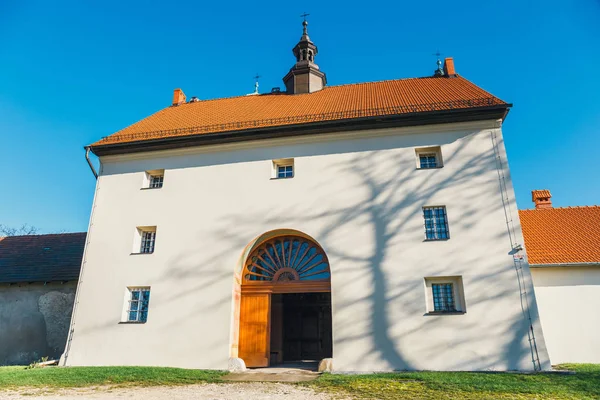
(569, 299)
(361, 197)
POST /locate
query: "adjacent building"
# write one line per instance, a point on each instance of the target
(563, 246)
(38, 278)
(364, 223)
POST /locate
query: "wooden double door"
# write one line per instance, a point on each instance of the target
(284, 327)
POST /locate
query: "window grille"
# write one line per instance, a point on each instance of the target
(436, 223)
(443, 297)
(156, 181)
(148, 239)
(285, 171)
(137, 311)
(427, 161)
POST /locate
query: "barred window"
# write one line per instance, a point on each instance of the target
(427, 161)
(156, 181)
(443, 297)
(139, 299)
(436, 223)
(429, 157)
(148, 239)
(285, 171)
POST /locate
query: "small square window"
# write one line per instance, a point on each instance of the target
(137, 305)
(283, 169)
(144, 240)
(154, 179)
(436, 223)
(429, 157)
(445, 295)
(427, 161)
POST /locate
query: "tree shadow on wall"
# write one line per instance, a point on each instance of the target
(394, 192)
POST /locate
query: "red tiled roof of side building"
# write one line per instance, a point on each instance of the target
(332, 103)
(568, 235)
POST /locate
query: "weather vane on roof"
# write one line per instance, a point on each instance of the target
(256, 78)
(439, 71)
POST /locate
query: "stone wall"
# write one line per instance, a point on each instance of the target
(34, 321)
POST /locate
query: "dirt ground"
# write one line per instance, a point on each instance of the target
(211, 391)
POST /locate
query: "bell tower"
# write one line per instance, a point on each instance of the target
(304, 76)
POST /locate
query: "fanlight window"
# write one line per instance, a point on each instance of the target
(287, 259)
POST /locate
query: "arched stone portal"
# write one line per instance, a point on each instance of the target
(282, 301)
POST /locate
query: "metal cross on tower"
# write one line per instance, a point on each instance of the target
(304, 15)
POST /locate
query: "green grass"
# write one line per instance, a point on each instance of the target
(58, 377)
(585, 384)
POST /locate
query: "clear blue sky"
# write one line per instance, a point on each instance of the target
(72, 72)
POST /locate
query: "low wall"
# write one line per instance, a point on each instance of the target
(34, 321)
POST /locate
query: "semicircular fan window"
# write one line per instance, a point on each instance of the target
(287, 259)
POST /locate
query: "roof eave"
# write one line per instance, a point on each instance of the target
(322, 127)
(572, 264)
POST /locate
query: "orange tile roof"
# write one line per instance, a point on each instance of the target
(332, 103)
(562, 235)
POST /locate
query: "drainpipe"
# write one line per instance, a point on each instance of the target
(87, 158)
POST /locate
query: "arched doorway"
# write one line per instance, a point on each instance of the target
(285, 301)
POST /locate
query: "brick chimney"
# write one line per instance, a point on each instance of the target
(178, 97)
(449, 67)
(541, 198)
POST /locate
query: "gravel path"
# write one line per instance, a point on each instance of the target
(210, 391)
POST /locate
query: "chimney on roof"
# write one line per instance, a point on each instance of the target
(178, 97)
(449, 67)
(541, 198)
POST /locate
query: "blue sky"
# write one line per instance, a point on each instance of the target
(72, 72)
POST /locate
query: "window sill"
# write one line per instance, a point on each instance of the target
(140, 254)
(419, 168)
(445, 313)
(149, 188)
(280, 179)
(132, 322)
(436, 240)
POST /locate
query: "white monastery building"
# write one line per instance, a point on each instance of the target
(361, 224)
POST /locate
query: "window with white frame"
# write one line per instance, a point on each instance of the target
(144, 240)
(137, 304)
(283, 168)
(154, 179)
(436, 223)
(445, 295)
(429, 157)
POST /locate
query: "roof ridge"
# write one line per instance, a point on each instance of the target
(252, 95)
(561, 208)
(44, 234)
